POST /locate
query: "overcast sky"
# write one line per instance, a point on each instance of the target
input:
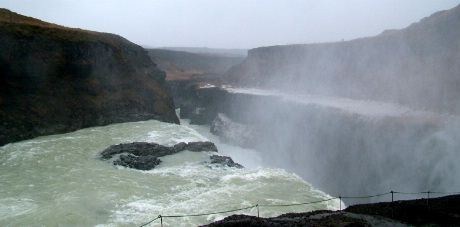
(231, 23)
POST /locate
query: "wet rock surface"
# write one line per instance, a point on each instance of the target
(199, 104)
(137, 149)
(225, 161)
(138, 162)
(144, 155)
(201, 146)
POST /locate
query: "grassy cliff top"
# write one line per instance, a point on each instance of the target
(24, 26)
(7, 16)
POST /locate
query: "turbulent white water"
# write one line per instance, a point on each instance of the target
(59, 180)
(355, 147)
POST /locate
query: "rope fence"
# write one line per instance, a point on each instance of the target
(340, 198)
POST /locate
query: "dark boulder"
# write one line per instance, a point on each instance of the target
(138, 149)
(147, 162)
(180, 147)
(201, 146)
(225, 161)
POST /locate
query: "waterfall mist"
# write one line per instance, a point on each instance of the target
(417, 66)
(349, 147)
(360, 117)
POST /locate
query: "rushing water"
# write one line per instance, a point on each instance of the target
(353, 147)
(59, 180)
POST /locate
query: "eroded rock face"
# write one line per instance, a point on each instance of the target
(199, 104)
(55, 79)
(145, 156)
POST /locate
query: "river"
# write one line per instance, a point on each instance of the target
(59, 180)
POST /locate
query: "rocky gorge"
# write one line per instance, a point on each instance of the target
(345, 117)
(334, 110)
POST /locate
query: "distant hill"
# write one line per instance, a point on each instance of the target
(211, 51)
(181, 65)
(417, 66)
(55, 79)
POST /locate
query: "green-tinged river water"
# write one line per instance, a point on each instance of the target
(59, 181)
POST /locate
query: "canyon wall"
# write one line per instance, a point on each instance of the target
(417, 66)
(55, 79)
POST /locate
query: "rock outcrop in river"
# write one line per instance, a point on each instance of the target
(145, 156)
(55, 79)
(417, 66)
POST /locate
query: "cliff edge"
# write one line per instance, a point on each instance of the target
(55, 79)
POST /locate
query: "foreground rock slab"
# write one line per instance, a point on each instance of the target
(316, 218)
(442, 211)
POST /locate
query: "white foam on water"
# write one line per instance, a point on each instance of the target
(14, 207)
(249, 158)
(208, 86)
(210, 190)
(173, 134)
(59, 180)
